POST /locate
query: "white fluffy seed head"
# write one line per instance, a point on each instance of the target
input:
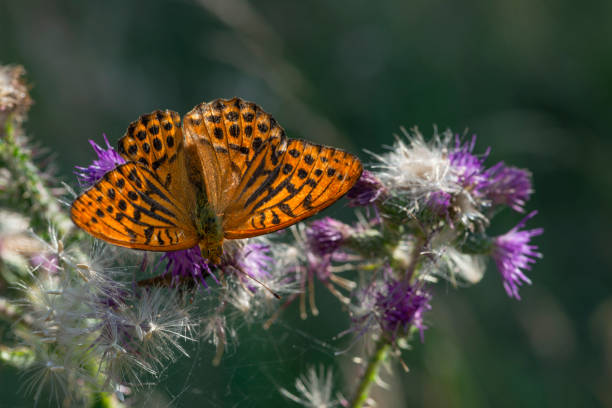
(415, 168)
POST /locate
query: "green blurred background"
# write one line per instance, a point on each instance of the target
(532, 78)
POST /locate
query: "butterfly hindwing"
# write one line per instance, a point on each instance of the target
(229, 137)
(207, 151)
(131, 208)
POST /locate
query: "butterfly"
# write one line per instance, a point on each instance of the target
(227, 172)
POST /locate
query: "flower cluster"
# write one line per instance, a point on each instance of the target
(446, 188)
(448, 178)
(87, 322)
(423, 212)
(432, 203)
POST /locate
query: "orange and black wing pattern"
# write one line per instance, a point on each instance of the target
(288, 184)
(155, 141)
(256, 178)
(227, 135)
(130, 207)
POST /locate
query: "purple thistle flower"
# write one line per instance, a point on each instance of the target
(507, 185)
(108, 159)
(500, 184)
(366, 190)
(188, 263)
(401, 305)
(326, 235)
(467, 165)
(252, 260)
(439, 202)
(512, 254)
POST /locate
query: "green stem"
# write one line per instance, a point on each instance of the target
(28, 191)
(370, 374)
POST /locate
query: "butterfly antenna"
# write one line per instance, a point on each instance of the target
(266, 287)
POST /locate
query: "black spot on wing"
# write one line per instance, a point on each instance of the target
(275, 219)
(284, 207)
(157, 163)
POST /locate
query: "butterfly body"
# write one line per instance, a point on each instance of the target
(210, 231)
(227, 172)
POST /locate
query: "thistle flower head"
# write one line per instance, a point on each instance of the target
(107, 160)
(513, 253)
(401, 305)
(141, 336)
(326, 236)
(391, 306)
(507, 185)
(432, 175)
(450, 179)
(366, 191)
(467, 166)
(247, 260)
(415, 169)
(187, 264)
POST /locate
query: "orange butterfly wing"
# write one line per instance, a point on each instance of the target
(308, 178)
(218, 138)
(131, 208)
(155, 141)
(255, 177)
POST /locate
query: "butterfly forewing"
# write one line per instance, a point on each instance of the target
(130, 207)
(155, 141)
